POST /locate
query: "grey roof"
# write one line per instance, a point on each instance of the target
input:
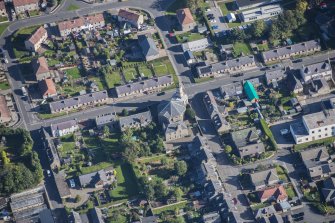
(231, 90)
(92, 178)
(244, 137)
(275, 218)
(319, 119)
(251, 149)
(196, 43)
(174, 126)
(63, 125)
(143, 85)
(264, 177)
(211, 217)
(104, 119)
(142, 118)
(46, 216)
(218, 120)
(316, 68)
(287, 50)
(269, 10)
(49, 144)
(79, 100)
(147, 45)
(298, 129)
(96, 215)
(272, 75)
(173, 108)
(315, 156)
(222, 66)
(328, 189)
(61, 185)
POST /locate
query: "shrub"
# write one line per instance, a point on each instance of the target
(269, 134)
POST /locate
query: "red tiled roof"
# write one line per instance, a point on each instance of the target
(4, 110)
(185, 16)
(131, 16)
(37, 35)
(24, 2)
(47, 87)
(76, 23)
(40, 66)
(278, 192)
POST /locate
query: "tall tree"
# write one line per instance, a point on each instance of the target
(258, 28)
(180, 167)
(301, 6)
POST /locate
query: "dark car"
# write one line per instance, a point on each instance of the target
(161, 93)
(297, 61)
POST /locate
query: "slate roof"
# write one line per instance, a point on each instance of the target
(274, 75)
(4, 110)
(287, 50)
(172, 108)
(144, 84)
(264, 177)
(266, 211)
(190, 45)
(231, 89)
(74, 101)
(147, 45)
(139, 118)
(315, 156)
(173, 127)
(61, 185)
(316, 68)
(184, 16)
(244, 137)
(45, 216)
(93, 178)
(63, 125)
(229, 64)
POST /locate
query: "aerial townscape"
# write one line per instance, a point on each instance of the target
(167, 111)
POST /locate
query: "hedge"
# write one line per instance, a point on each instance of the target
(269, 134)
(315, 143)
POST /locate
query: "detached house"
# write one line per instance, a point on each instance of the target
(277, 194)
(21, 6)
(262, 179)
(64, 128)
(36, 39)
(148, 46)
(41, 68)
(47, 88)
(185, 19)
(246, 143)
(94, 180)
(133, 18)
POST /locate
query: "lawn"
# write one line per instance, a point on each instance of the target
(94, 168)
(113, 79)
(130, 74)
(145, 72)
(49, 116)
(3, 27)
(4, 86)
(73, 72)
(281, 173)
(53, 62)
(263, 47)
(98, 82)
(239, 48)
(171, 207)
(71, 90)
(126, 183)
(19, 38)
(161, 70)
(188, 37)
(290, 192)
(72, 7)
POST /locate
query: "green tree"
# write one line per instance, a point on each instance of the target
(228, 149)
(275, 32)
(193, 4)
(177, 193)
(180, 167)
(164, 161)
(161, 190)
(4, 158)
(238, 35)
(258, 28)
(77, 199)
(125, 112)
(301, 6)
(159, 145)
(106, 131)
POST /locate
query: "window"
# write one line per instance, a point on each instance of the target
(319, 130)
(312, 132)
(326, 135)
(319, 136)
(326, 129)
